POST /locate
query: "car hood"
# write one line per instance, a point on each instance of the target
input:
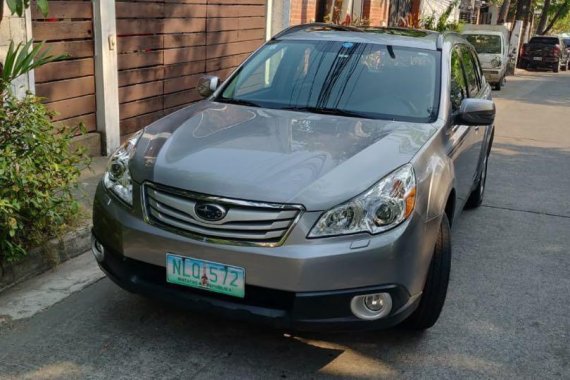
(270, 155)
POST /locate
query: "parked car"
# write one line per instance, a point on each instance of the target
(548, 52)
(314, 188)
(492, 45)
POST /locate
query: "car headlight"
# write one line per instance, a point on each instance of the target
(117, 177)
(496, 62)
(382, 207)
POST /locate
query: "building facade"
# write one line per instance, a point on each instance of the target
(346, 12)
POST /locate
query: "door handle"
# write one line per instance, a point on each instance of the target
(477, 128)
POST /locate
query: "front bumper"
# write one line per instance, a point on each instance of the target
(493, 76)
(543, 62)
(328, 310)
(312, 279)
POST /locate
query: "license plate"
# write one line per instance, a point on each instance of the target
(537, 58)
(207, 275)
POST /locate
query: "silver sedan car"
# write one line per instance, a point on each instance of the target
(314, 188)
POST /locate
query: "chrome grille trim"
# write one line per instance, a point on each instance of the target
(246, 222)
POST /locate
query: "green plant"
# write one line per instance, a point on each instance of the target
(20, 60)
(19, 6)
(38, 173)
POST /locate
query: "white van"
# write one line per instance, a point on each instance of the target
(492, 45)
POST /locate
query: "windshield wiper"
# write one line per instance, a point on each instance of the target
(240, 102)
(329, 111)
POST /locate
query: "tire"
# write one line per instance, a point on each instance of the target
(435, 288)
(476, 198)
(498, 85)
(565, 67)
(556, 67)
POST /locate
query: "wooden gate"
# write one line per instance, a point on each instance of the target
(165, 45)
(68, 86)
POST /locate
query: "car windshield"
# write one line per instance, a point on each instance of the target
(485, 43)
(343, 78)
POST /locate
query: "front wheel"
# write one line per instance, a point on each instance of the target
(435, 288)
(556, 67)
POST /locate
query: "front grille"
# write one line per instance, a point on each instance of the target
(245, 222)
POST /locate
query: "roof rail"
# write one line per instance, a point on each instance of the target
(297, 28)
(442, 35)
(439, 43)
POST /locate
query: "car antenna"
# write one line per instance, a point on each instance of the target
(391, 51)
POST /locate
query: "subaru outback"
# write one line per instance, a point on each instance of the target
(314, 188)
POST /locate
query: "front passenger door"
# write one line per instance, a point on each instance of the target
(465, 142)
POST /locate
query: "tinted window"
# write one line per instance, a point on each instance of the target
(478, 69)
(567, 42)
(544, 40)
(355, 79)
(485, 43)
(458, 90)
(471, 71)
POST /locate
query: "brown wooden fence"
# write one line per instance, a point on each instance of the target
(163, 48)
(165, 45)
(68, 86)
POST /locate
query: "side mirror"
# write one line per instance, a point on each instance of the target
(476, 112)
(207, 85)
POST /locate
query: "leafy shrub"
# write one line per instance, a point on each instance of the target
(23, 58)
(38, 172)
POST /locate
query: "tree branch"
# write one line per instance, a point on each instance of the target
(558, 14)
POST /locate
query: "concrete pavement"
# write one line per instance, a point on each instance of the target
(506, 315)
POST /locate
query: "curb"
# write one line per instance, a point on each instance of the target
(42, 259)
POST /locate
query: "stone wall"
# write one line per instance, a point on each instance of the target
(14, 28)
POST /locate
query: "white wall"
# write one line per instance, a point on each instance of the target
(429, 7)
(17, 29)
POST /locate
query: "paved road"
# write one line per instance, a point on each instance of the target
(506, 316)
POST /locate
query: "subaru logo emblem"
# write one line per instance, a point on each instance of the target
(210, 212)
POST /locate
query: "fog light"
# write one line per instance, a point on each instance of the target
(97, 249)
(371, 306)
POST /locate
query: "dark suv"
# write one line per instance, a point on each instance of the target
(548, 52)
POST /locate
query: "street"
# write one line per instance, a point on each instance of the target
(506, 315)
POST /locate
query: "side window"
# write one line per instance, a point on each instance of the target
(458, 90)
(471, 71)
(478, 69)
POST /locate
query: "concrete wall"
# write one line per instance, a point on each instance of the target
(17, 29)
(430, 7)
